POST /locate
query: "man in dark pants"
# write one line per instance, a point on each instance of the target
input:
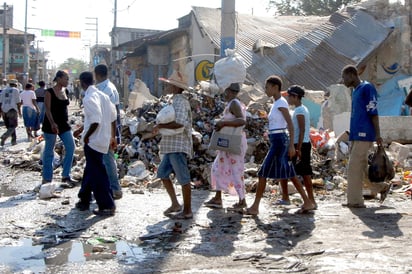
(98, 135)
(10, 103)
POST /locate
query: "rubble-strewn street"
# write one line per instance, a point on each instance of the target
(51, 236)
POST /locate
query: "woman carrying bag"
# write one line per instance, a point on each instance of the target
(227, 169)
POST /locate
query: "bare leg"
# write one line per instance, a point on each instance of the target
(285, 192)
(254, 209)
(175, 207)
(307, 180)
(187, 199)
(307, 205)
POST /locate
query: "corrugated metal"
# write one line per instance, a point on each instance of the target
(310, 51)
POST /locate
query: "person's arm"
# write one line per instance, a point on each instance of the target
(301, 124)
(49, 115)
(286, 116)
(113, 142)
(90, 131)
(239, 121)
(35, 105)
(375, 122)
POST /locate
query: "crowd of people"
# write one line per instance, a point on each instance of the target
(288, 157)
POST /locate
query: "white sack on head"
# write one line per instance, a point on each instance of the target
(230, 69)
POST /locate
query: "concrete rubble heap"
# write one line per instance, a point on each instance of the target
(138, 155)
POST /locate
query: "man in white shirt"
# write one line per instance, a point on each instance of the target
(104, 85)
(10, 103)
(98, 135)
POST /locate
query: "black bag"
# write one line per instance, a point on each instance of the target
(408, 99)
(380, 167)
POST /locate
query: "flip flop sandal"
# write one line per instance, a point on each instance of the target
(182, 216)
(304, 211)
(211, 203)
(171, 210)
(282, 202)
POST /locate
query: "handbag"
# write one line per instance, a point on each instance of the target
(227, 139)
(380, 167)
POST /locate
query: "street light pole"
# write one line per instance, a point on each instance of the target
(26, 49)
(96, 27)
(5, 59)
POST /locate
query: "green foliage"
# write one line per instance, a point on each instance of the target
(309, 7)
(74, 67)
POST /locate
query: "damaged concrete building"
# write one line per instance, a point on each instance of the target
(309, 51)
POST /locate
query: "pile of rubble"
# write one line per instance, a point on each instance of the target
(138, 157)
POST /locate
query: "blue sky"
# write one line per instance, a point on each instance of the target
(72, 16)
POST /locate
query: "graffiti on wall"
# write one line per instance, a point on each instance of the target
(204, 70)
(391, 69)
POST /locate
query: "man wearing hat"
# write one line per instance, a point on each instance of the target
(10, 103)
(176, 149)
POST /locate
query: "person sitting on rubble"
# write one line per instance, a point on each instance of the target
(177, 148)
(303, 146)
(227, 169)
(277, 163)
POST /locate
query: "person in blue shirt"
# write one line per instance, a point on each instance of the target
(364, 130)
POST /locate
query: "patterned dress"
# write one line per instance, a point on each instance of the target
(228, 168)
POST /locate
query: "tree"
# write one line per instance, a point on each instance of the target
(74, 67)
(309, 7)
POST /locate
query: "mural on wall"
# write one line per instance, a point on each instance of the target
(203, 71)
(391, 69)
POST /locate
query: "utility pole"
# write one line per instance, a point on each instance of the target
(228, 26)
(26, 50)
(4, 41)
(96, 27)
(113, 42)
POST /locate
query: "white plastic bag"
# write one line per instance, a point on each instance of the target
(47, 191)
(231, 69)
(167, 115)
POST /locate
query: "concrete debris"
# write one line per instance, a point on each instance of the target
(138, 155)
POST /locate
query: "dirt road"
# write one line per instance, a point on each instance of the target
(50, 236)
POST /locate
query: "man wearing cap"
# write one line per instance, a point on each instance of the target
(176, 149)
(10, 103)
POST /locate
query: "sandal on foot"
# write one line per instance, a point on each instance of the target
(281, 202)
(213, 204)
(172, 210)
(304, 211)
(104, 212)
(354, 205)
(239, 205)
(247, 212)
(182, 216)
(68, 183)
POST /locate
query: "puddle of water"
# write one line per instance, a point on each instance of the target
(24, 256)
(6, 192)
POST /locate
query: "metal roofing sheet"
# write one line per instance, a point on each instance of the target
(310, 51)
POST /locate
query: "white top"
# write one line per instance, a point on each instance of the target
(98, 109)
(9, 99)
(110, 90)
(301, 110)
(276, 119)
(27, 97)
